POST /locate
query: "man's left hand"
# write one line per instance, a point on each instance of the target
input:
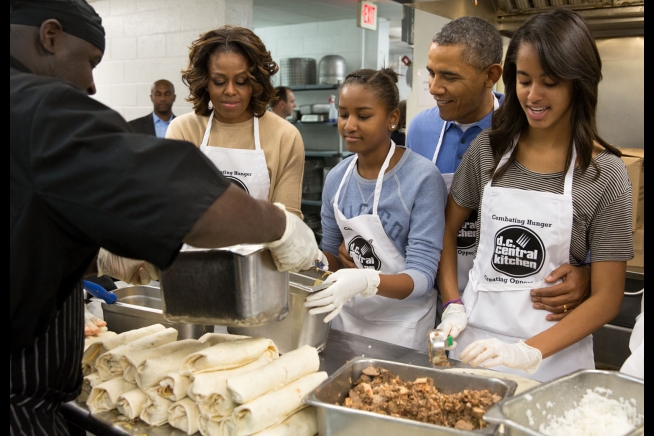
(565, 296)
(344, 257)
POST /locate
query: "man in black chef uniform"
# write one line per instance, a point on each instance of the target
(80, 179)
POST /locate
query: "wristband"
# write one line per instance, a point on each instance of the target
(458, 300)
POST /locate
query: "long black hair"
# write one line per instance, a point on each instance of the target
(567, 51)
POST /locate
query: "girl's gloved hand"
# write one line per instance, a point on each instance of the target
(348, 282)
(493, 352)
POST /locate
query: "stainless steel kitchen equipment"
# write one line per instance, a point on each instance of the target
(140, 306)
(238, 286)
(314, 118)
(332, 70)
(522, 414)
(299, 327)
(336, 420)
(298, 71)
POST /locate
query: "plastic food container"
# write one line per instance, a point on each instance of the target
(299, 327)
(523, 414)
(336, 420)
(232, 286)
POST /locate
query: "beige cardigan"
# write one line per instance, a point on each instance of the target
(280, 140)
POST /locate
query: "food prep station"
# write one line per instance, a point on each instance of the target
(341, 347)
(341, 354)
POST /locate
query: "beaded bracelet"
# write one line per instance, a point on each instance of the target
(458, 300)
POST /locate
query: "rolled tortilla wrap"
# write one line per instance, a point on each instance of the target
(210, 427)
(98, 348)
(132, 403)
(155, 411)
(217, 338)
(227, 355)
(90, 381)
(174, 386)
(153, 370)
(274, 407)
(301, 423)
(88, 367)
(184, 415)
(278, 373)
(132, 359)
(104, 396)
(209, 389)
(108, 364)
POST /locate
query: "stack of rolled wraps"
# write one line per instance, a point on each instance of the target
(262, 399)
(220, 384)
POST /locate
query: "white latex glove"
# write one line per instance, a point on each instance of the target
(348, 283)
(454, 320)
(493, 352)
(132, 271)
(297, 249)
(92, 324)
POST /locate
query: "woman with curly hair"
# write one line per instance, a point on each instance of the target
(229, 79)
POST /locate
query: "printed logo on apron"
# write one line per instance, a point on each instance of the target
(467, 236)
(237, 182)
(519, 252)
(363, 253)
(246, 169)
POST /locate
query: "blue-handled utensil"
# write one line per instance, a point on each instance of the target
(100, 292)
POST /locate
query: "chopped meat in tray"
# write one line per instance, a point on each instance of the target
(379, 390)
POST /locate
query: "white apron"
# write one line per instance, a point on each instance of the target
(467, 237)
(399, 322)
(246, 169)
(524, 236)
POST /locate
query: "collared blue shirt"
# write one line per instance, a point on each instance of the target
(425, 130)
(160, 126)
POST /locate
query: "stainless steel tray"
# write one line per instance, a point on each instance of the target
(299, 327)
(140, 306)
(222, 287)
(559, 395)
(336, 420)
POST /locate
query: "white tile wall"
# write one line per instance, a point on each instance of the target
(148, 40)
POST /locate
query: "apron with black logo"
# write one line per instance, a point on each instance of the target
(399, 322)
(467, 237)
(524, 236)
(246, 169)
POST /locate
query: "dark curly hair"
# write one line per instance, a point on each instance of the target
(230, 39)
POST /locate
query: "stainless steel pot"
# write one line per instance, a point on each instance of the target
(298, 71)
(332, 70)
(299, 327)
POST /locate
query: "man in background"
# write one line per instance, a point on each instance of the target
(285, 103)
(162, 95)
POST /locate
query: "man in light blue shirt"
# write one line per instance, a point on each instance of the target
(162, 95)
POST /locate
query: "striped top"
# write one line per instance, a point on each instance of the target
(602, 208)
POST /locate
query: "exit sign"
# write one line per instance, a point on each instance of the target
(367, 16)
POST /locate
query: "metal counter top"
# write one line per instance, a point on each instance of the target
(340, 348)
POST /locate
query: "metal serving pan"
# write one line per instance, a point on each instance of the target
(230, 287)
(299, 327)
(560, 395)
(140, 306)
(334, 420)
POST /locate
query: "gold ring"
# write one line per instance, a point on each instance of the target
(565, 309)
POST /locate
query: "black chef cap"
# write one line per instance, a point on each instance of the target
(77, 17)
